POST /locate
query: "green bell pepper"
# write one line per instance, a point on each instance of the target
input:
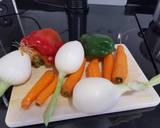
(97, 45)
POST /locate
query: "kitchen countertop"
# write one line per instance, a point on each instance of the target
(108, 20)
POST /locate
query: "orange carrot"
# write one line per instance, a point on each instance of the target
(72, 80)
(48, 91)
(107, 66)
(120, 68)
(40, 85)
(93, 69)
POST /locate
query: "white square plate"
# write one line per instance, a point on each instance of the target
(17, 117)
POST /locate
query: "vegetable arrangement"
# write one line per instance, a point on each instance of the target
(98, 46)
(38, 47)
(72, 60)
(15, 67)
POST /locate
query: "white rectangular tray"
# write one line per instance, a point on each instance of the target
(17, 117)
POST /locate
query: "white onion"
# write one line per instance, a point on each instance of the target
(15, 69)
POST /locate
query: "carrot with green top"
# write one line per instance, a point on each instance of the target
(71, 81)
(48, 91)
(40, 85)
(120, 68)
(107, 66)
(93, 69)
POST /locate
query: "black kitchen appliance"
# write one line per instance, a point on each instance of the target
(76, 11)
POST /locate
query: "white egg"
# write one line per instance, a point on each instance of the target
(69, 57)
(94, 95)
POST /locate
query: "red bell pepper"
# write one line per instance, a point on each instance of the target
(46, 41)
